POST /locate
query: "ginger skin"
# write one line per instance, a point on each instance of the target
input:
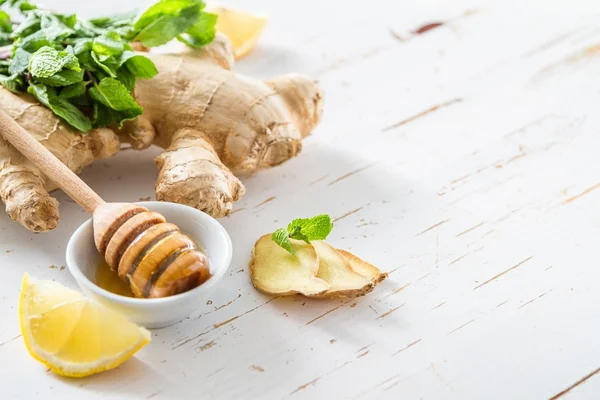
(211, 122)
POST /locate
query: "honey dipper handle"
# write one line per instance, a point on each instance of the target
(48, 164)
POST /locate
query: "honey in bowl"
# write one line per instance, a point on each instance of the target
(108, 280)
(151, 256)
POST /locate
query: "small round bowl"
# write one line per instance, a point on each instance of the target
(83, 259)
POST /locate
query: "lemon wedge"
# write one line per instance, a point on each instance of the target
(241, 27)
(73, 335)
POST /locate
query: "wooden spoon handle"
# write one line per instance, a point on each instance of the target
(49, 164)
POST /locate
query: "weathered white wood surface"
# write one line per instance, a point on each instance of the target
(464, 161)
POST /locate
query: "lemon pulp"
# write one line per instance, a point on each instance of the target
(73, 335)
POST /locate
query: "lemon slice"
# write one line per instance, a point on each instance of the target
(73, 335)
(242, 28)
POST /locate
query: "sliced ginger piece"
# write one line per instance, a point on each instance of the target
(363, 268)
(241, 28)
(274, 270)
(337, 271)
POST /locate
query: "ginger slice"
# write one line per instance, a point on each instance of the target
(337, 271)
(273, 270)
(363, 268)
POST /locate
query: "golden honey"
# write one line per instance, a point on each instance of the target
(158, 262)
(109, 280)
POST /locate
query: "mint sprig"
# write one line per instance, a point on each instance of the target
(305, 229)
(85, 70)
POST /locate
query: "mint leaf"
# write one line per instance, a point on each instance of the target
(107, 64)
(118, 101)
(109, 43)
(104, 116)
(14, 83)
(115, 21)
(126, 78)
(55, 26)
(20, 62)
(61, 107)
(316, 228)
(162, 22)
(65, 77)
(306, 229)
(5, 25)
(139, 65)
(69, 20)
(114, 94)
(202, 32)
(30, 25)
(76, 67)
(82, 49)
(74, 90)
(282, 238)
(4, 38)
(47, 61)
(34, 42)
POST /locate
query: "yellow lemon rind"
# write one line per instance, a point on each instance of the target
(73, 370)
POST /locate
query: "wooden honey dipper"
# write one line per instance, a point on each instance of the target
(150, 254)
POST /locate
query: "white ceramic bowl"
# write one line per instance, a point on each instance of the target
(83, 259)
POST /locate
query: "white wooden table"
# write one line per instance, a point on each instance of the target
(464, 160)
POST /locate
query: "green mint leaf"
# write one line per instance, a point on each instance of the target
(109, 43)
(115, 21)
(126, 78)
(104, 116)
(14, 83)
(69, 20)
(5, 25)
(30, 25)
(139, 65)
(307, 229)
(54, 53)
(82, 49)
(165, 20)
(85, 29)
(75, 90)
(25, 5)
(54, 25)
(114, 94)
(282, 238)
(4, 39)
(46, 62)
(4, 64)
(82, 101)
(202, 32)
(20, 62)
(69, 59)
(65, 77)
(34, 42)
(61, 107)
(105, 63)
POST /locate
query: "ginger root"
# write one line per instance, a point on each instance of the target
(23, 187)
(211, 122)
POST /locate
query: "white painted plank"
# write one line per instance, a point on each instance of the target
(482, 201)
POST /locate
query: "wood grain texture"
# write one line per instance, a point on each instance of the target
(519, 151)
